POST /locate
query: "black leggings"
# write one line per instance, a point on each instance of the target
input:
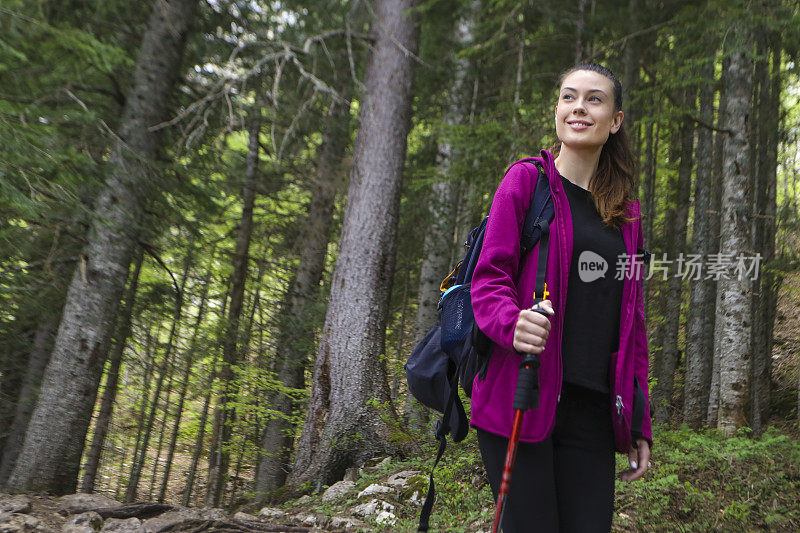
(566, 482)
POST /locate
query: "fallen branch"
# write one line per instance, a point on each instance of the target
(141, 510)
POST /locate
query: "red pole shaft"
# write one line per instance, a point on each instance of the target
(508, 469)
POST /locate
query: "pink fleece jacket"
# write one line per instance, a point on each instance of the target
(497, 300)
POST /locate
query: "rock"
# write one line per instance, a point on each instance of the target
(170, 519)
(120, 525)
(400, 479)
(315, 520)
(18, 503)
(372, 507)
(21, 523)
(415, 498)
(337, 490)
(307, 519)
(302, 500)
(346, 522)
(374, 489)
(87, 501)
(271, 512)
(244, 517)
(351, 474)
(386, 518)
(83, 523)
(375, 465)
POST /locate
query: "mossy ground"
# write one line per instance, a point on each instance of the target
(699, 481)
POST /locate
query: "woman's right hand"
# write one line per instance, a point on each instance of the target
(532, 329)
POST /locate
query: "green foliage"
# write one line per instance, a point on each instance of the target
(699, 481)
(702, 481)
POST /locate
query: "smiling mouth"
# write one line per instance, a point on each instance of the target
(578, 123)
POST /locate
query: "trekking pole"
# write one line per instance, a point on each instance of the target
(526, 397)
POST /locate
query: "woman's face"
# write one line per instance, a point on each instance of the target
(585, 113)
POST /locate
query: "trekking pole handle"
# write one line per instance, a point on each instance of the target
(527, 393)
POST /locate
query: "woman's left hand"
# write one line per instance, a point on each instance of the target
(639, 460)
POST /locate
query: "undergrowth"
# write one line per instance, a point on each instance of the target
(698, 481)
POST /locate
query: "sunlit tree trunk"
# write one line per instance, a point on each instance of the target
(112, 379)
(734, 319)
(716, 206)
(349, 407)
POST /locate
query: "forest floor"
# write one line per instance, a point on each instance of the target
(699, 481)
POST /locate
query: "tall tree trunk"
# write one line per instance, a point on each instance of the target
(150, 369)
(758, 199)
(112, 380)
(51, 453)
(164, 372)
(161, 431)
(734, 294)
(630, 74)
(712, 333)
(37, 361)
(580, 26)
(699, 353)
(767, 283)
(198, 447)
(295, 339)
(220, 456)
(350, 395)
(438, 245)
(676, 219)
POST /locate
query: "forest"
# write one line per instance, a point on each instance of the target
(225, 224)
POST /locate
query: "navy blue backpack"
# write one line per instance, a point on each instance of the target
(455, 349)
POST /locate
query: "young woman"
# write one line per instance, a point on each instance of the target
(593, 397)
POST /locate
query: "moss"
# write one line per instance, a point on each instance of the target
(418, 483)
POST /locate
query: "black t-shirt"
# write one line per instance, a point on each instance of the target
(594, 295)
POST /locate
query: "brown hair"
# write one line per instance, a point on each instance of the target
(614, 182)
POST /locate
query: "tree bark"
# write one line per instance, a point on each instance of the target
(220, 456)
(765, 286)
(630, 74)
(37, 361)
(716, 206)
(296, 339)
(51, 453)
(112, 380)
(345, 421)
(699, 352)
(676, 219)
(734, 319)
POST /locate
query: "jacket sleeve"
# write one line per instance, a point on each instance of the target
(641, 353)
(495, 301)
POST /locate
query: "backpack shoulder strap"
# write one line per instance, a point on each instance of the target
(540, 213)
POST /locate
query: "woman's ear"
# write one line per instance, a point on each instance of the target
(617, 121)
